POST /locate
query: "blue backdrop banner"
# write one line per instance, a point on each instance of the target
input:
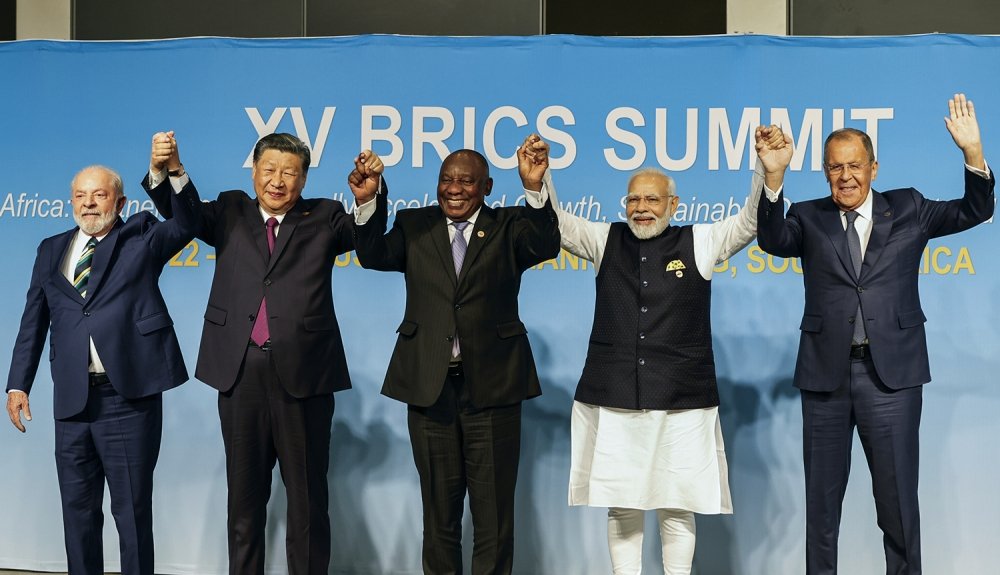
(608, 107)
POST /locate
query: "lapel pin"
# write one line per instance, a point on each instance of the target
(481, 234)
(887, 213)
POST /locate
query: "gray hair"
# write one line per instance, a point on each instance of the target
(657, 173)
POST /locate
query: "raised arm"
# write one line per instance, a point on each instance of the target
(376, 249)
(776, 234)
(578, 236)
(732, 234)
(166, 179)
(978, 202)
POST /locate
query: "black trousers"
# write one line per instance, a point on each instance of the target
(459, 448)
(888, 423)
(263, 424)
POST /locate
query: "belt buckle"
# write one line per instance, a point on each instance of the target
(266, 346)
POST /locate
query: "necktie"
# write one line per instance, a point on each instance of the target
(854, 246)
(81, 274)
(458, 249)
(260, 332)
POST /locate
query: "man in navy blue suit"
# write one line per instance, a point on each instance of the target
(863, 352)
(112, 351)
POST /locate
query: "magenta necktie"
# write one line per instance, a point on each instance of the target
(260, 332)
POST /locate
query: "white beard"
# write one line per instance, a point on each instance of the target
(648, 231)
(94, 226)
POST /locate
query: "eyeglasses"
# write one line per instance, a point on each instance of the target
(651, 201)
(852, 168)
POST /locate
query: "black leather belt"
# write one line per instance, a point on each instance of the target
(98, 379)
(265, 347)
(455, 369)
(860, 351)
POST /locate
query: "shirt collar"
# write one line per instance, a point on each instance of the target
(471, 220)
(865, 209)
(264, 215)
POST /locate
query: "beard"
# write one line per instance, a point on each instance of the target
(648, 231)
(94, 225)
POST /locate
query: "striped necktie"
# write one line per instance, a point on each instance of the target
(81, 274)
(458, 249)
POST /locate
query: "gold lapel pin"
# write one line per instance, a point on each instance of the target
(481, 234)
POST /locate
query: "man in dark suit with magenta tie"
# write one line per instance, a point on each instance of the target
(271, 345)
(112, 352)
(863, 351)
(462, 361)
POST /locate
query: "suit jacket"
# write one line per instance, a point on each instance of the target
(480, 305)
(123, 312)
(903, 222)
(307, 349)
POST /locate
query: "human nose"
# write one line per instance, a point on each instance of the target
(276, 181)
(453, 187)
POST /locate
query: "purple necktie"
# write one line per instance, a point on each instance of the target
(260, 332)
(458, 248)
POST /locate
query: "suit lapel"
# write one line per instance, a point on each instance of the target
(481, 232)
(57, 256)
(255, 227)
(437, 226)
(287, 228)
(102, 258)
(881, 226)
(834, 228)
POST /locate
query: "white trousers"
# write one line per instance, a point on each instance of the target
(677, 536)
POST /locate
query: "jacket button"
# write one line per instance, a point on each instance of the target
(267, 282)
(448, 338)
(642, 335)
(86, 314)
(642, 259)
(860, 289)
(642, 361)
(458, 306)
(850, 320)
(645, 283)
(251, 317)
(643, 309)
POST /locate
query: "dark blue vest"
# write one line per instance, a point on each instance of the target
(651, 345)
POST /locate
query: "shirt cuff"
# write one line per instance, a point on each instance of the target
(177, 183)
(537, 199)
(772, 195)
(365, 211)
(980, 172)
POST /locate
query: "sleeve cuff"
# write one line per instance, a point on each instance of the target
(772, 195)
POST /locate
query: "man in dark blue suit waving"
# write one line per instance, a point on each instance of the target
(863, 351)
(113, 351)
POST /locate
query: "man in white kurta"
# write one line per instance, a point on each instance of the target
(645, 424)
